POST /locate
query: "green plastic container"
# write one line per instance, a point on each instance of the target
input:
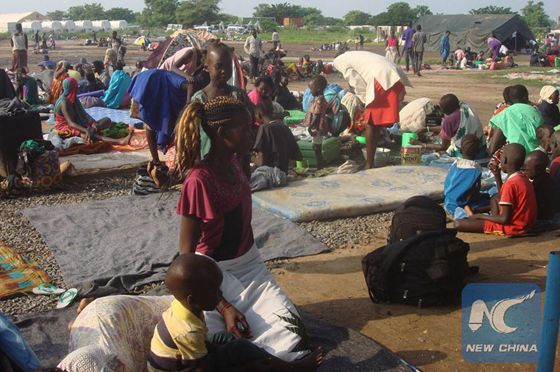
(406, 137)
(330, 149)
(361, 139)
(295, 117)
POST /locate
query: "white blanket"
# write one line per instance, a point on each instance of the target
(361, 69)
(413, 116)
(252, 289)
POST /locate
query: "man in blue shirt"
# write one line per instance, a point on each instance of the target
(444, 47)
(46, 63)
(408, 47)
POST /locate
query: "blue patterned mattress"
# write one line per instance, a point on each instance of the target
(115, 115)
(350, 195)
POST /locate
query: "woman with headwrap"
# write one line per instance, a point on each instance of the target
(548, 105)
(71, 120)
(60, 73)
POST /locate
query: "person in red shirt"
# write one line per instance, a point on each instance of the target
(516, 211)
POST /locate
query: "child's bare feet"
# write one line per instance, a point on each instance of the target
(83, 303)
(310, 363)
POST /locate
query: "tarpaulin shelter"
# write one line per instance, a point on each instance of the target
(474, 30)
(190, 38)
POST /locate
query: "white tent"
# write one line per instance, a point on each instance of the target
(119, 25)
(68, 25)
(51, 26)
(8, 27)
(31, 26)
(101, 25)
(8, 20)
(84, 25)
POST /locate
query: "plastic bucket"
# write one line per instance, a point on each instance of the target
(406, 137)
(381, 156)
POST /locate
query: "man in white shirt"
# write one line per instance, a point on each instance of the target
(275, 39)
(253, 47)
(19, 44)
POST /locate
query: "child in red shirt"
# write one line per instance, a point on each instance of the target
(516, 211)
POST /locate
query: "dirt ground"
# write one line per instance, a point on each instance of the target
(331, 286)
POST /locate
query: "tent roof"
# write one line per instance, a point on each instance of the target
(503, 25)
(22, 17)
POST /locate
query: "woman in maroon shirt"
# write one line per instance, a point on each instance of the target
(215, 209)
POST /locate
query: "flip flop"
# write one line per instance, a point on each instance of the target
(66, 298)
(48, 289)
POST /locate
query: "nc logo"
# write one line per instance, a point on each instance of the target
(496, 315)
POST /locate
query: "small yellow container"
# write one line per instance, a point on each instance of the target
(410, 155)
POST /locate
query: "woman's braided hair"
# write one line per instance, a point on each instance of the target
(210, 116)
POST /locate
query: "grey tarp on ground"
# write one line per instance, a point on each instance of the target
(348, 350)
(129, 241)
(473, 30)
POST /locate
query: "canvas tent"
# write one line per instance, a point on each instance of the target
(473, 30)
(191, 38)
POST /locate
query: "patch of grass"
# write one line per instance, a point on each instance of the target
(500, 77)
(304, 36)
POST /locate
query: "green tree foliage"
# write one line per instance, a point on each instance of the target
(399, 14)
(158, 13)
(93, 11)
(492, 10)
(283, 10)
(191, 12)
(116, 14)
(268, 25)
(534, 15)
(422, 10)
(356, 17)
(56, 15)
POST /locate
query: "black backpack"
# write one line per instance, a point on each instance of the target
(415, 215)
(426, 269)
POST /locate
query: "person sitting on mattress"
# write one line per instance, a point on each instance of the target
(181, 340)
(535, 169)
(215, 211)
(514, 209)
(116, 96)
(71, 120)
(60, 74)
(461, 188)
(27, 89)
(282, 94)
(264, 88)
(459, 120)
(92, 84)
(274, 142)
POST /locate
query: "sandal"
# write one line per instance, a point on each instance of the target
(48, 289)
(66, 298)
